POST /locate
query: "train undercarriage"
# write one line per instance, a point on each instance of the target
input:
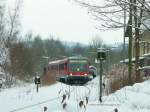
(74, 80)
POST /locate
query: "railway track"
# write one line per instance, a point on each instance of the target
(78, 92)
(41, 102)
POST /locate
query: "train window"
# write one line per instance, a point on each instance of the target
(54, 67)
(65, 66)
(61, 66)
(79, 67)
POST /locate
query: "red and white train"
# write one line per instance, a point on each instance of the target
(71, 70)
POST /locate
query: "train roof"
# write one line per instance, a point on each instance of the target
(78, 57)
(67, 59)
(58, 61)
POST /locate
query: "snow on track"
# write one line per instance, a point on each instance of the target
(134, 98)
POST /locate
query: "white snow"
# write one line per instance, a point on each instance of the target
(134, 98)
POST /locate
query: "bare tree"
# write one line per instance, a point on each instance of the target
(9, 30)
(21, 65)
(96, 42)
(2, 34)
(13, 20)
(111, 14)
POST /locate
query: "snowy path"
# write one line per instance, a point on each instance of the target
(25, 99)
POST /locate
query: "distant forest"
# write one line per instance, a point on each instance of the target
(31, 54)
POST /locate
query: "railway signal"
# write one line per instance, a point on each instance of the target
(101, 56)
(37, 81)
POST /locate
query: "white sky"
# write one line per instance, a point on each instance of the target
(63, 19)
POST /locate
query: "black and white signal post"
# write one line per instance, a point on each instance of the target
(37, 81)
(101, 56)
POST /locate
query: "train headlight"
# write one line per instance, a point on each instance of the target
(70, 74)
(85, 74)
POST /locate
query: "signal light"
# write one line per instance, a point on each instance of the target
(101, 54)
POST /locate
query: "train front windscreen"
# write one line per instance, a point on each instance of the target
(78, 66)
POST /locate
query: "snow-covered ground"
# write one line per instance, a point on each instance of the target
(26, 99)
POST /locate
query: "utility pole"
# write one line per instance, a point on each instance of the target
(100, 80)
(130, 43)
(101, 56)
(136, 44)
(124, 36)
(137, 38)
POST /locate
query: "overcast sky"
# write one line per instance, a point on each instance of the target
(63, 19)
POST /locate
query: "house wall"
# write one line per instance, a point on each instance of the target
(144, 44)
